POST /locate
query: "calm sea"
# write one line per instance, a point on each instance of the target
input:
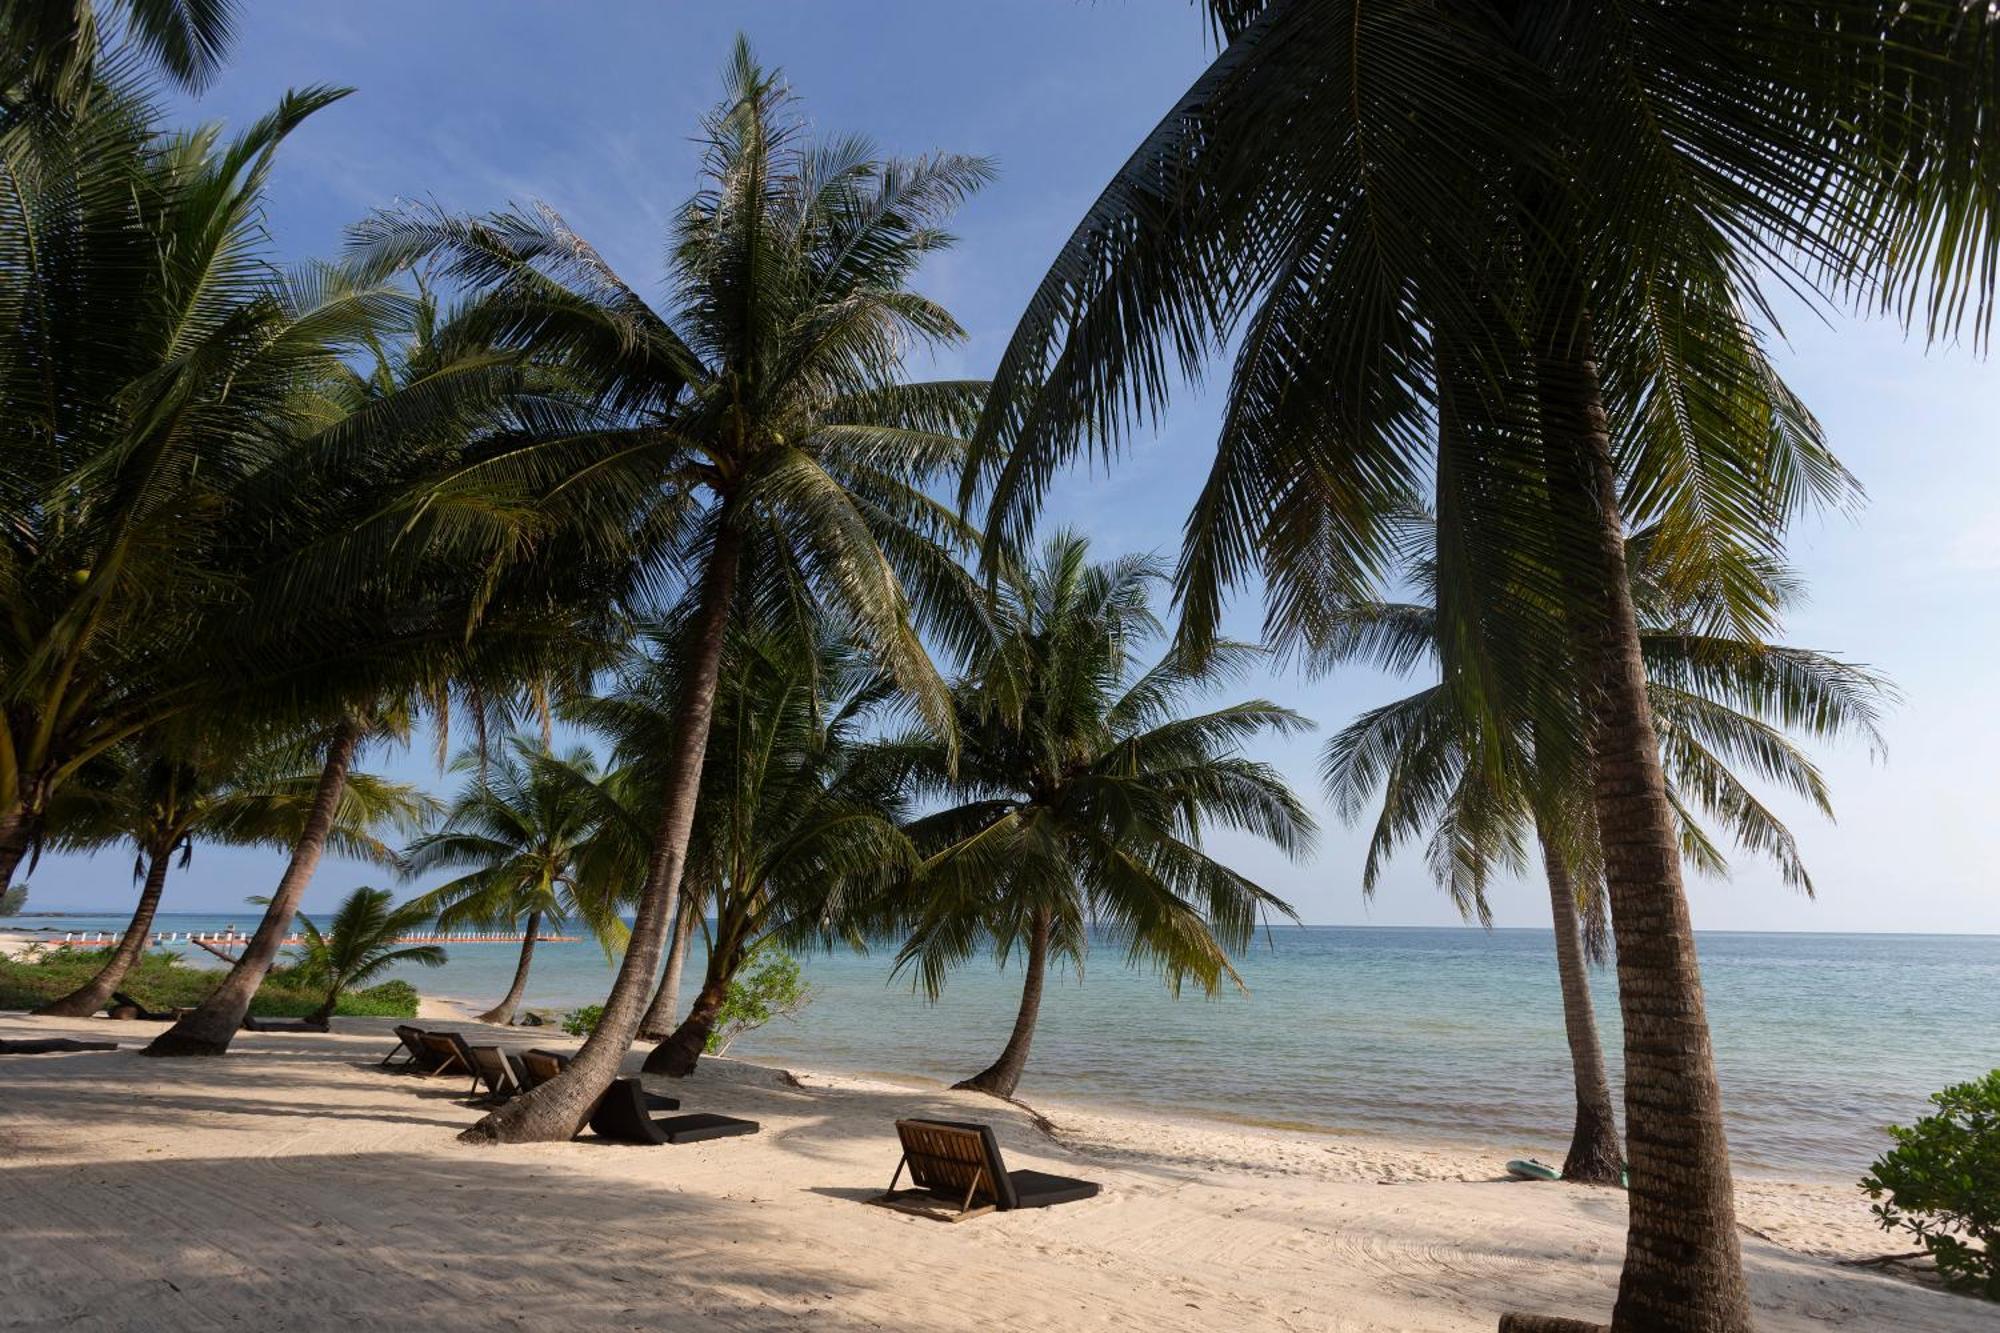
(1447, 1033)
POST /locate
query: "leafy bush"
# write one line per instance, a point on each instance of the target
(165, 981)
(13, 900)
(582, 1022)
(1942, 1182)
(768, 987)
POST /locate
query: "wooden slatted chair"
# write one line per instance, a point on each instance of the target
(539, 1066)
(957, 1172)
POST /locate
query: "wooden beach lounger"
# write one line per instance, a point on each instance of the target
(409, 1044)
(539, 1066)
(621, 1116)
(500, 1071)
(447, 1053)
(121, 1002)
(53, 1045)
(955, 1165)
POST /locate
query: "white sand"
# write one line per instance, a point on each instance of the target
(292, 1185)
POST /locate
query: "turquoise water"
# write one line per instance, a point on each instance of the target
(1456, 1034)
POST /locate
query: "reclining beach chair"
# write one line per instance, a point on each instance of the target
(621, 1116)
(121, 1003)
(955, 1165)
(499, 1071)
(539, 1066)
(448, 1054)
(410, 1044)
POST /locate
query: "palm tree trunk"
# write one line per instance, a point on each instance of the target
(17, 832)
(1004, 1075)
(93, 994)
(557, 1109)
(1683, 1265)
(678, 1055)
(658, 1024)
(1595, 1155)
(503, 1012)
(209, 1029)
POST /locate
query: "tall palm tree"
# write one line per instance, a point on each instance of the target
(363, 939)
(1081, 792)
(755, 443)
(519, 827)
(1724, 704)
(164, 799)
(1484, 250)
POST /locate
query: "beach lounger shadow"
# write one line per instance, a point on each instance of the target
(957, 1172)
(252, 1024)
(621, 1116)
(53, 1045)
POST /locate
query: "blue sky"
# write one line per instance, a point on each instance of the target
(593, 109)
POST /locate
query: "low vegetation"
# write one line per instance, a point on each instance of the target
(771, 987)
(164, 981)
(1941, 1185)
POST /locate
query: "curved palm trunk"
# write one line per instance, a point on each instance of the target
(678, 1055)
(16, 831)
(209, 1029)
(1004, 1075)
(503, 1012)
(1683, 1265)
(658, 1024)
(1595, 1155)
(95, 993)
(557, 1109)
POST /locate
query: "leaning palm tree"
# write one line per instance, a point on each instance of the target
(163, 799)
(1486, 250)
(1724, 704)
(363, 940)
(519, 828)
(1080, 796)
(796, 836)
(754, 443)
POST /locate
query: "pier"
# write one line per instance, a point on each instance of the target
(217, 940)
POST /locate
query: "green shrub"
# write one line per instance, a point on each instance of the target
(582, 1022)
(1942, 1182)
(13, 900)
(164, 981)
(768, 986)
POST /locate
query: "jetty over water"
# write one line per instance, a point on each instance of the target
(215, 940)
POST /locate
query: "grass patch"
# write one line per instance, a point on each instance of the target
(163, 981)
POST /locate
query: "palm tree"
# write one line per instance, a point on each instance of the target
(363, 939)
(50, 50)
(519, 827)
(796, 835)
(1081, 793)
(1483, 250)
(1724, 704)
(164, 799)
(756, 443)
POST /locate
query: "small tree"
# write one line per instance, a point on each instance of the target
(771, 988)
(13, 900)
(1942, 1182)
(362, 941)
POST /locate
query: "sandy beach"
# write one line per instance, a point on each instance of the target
(293, 1185)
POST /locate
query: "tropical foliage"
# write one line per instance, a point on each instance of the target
(1941, 1184)
(1080, 791)
(363, 940)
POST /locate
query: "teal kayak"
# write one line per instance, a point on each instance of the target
(1527, 1168)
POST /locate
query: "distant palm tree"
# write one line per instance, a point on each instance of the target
(162, 801)
(756, 443)
(1081, 794)
(361, 940)
(519, 827)
(1513, 256)
(1723, 704)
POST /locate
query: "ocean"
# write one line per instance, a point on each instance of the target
(1451, 1034)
